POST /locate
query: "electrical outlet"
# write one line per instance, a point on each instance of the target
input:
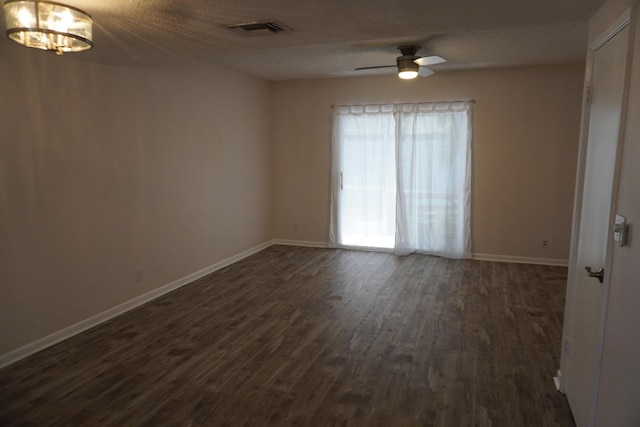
(545, 243)
(294, 227)
(138, 275)
(566, 346)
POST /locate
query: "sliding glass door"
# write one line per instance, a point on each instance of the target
(367, 207)
(402, 178)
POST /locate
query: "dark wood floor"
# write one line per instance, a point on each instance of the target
(300, 336)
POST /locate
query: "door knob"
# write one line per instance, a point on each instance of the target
(597, 274)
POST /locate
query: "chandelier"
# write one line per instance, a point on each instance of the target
(48, 25)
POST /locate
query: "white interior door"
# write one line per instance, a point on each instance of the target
(588, 308)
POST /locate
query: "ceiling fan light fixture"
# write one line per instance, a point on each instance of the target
(407, 68)
(48, 25)
(407, 75)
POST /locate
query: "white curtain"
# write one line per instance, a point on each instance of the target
(402, 178)
(365, 177)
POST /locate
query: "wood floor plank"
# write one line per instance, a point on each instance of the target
(304, 337)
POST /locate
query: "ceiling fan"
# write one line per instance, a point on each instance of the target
(409, 64)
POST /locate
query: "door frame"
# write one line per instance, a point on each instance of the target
(618, 25)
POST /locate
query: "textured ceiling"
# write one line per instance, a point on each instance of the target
(332, 37)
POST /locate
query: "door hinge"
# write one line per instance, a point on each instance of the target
(589, 95)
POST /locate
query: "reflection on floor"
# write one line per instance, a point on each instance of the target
(301, 336)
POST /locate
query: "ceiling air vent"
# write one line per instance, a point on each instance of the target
(259, 28)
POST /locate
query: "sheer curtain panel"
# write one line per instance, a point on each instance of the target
(401, 178)
(434, 179)
(364, 177)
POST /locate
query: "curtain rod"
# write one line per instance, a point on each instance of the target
(473, 101)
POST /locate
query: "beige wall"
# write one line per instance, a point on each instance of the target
(108, 169)
(526, 129)
(104, 170)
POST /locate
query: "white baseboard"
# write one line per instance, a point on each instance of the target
(56, 337)
(521, 260)
(557, 381)
(477, 256)
(304, 243)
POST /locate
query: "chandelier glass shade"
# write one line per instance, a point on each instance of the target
(48, 25)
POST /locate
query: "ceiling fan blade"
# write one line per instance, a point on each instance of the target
(430, 60)
(375, 66)
(425, 72)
